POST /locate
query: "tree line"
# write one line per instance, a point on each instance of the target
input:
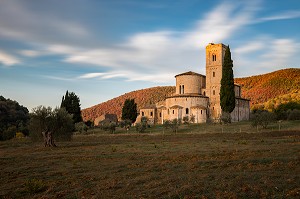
(43, 122)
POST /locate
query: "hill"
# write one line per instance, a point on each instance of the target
(271, 89)
(267, 91)
(142, 97)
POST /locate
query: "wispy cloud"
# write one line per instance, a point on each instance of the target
(8, 59)
(279, 52)
(30, 53)
(253, 46)
(266, 54)
(20, 23)
(291, 14)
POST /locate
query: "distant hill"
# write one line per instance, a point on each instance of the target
(267, 91)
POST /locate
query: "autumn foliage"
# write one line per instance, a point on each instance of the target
(272, 89)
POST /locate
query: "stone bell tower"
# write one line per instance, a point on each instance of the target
(214, 64)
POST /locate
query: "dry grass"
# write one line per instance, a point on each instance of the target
(206, 165)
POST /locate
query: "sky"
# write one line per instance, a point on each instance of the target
(101, 49)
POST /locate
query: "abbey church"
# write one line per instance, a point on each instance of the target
(198, 96)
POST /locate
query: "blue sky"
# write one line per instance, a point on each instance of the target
(101, 49)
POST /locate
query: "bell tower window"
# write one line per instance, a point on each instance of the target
(214, 57)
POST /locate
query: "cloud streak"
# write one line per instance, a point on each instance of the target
(8, 59)
(291, 14)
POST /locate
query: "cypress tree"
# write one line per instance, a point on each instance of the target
(227, 94)
(129, 110)
(71, 103)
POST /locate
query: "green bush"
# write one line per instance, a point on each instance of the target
(175, 123)
(166, 124)
(9, 133)
(262, 118)
(81, 127)
(225, 118)
(109, 126)
(294, 114)
(125, 123)
(282, 111)
(142, 126)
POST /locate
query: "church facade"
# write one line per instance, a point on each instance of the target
(198, 96)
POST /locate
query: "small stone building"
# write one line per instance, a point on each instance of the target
(105, 118)
(198, 96)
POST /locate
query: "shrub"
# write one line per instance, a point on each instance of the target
(141, 127)
(9, 133)
(282, 111)
(109, 126)
(185, 119)
(112, 127)
(294, 115)
(262, 118)
(125, 123)
(167, 124)
(20, 135)
(175, 124)
(89, 123)
(81, 127)
(225, 117)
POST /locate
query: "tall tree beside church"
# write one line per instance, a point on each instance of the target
(227, 95)
(71, 103)
(129, 110)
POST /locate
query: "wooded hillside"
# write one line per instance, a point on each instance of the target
(271, 89)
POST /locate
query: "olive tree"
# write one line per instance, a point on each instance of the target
(50, 125)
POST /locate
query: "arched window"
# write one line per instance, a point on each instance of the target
(204, 93)
(214, 74)
(151, 113)
(201, 112)
(214, 92)
(143, 113)
(214, 57)
(186, 111)
(173, 112)
(181, 89)
(159, 114)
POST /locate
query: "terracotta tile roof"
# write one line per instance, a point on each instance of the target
(189, 73)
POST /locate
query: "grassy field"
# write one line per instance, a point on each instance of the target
(200, 161)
